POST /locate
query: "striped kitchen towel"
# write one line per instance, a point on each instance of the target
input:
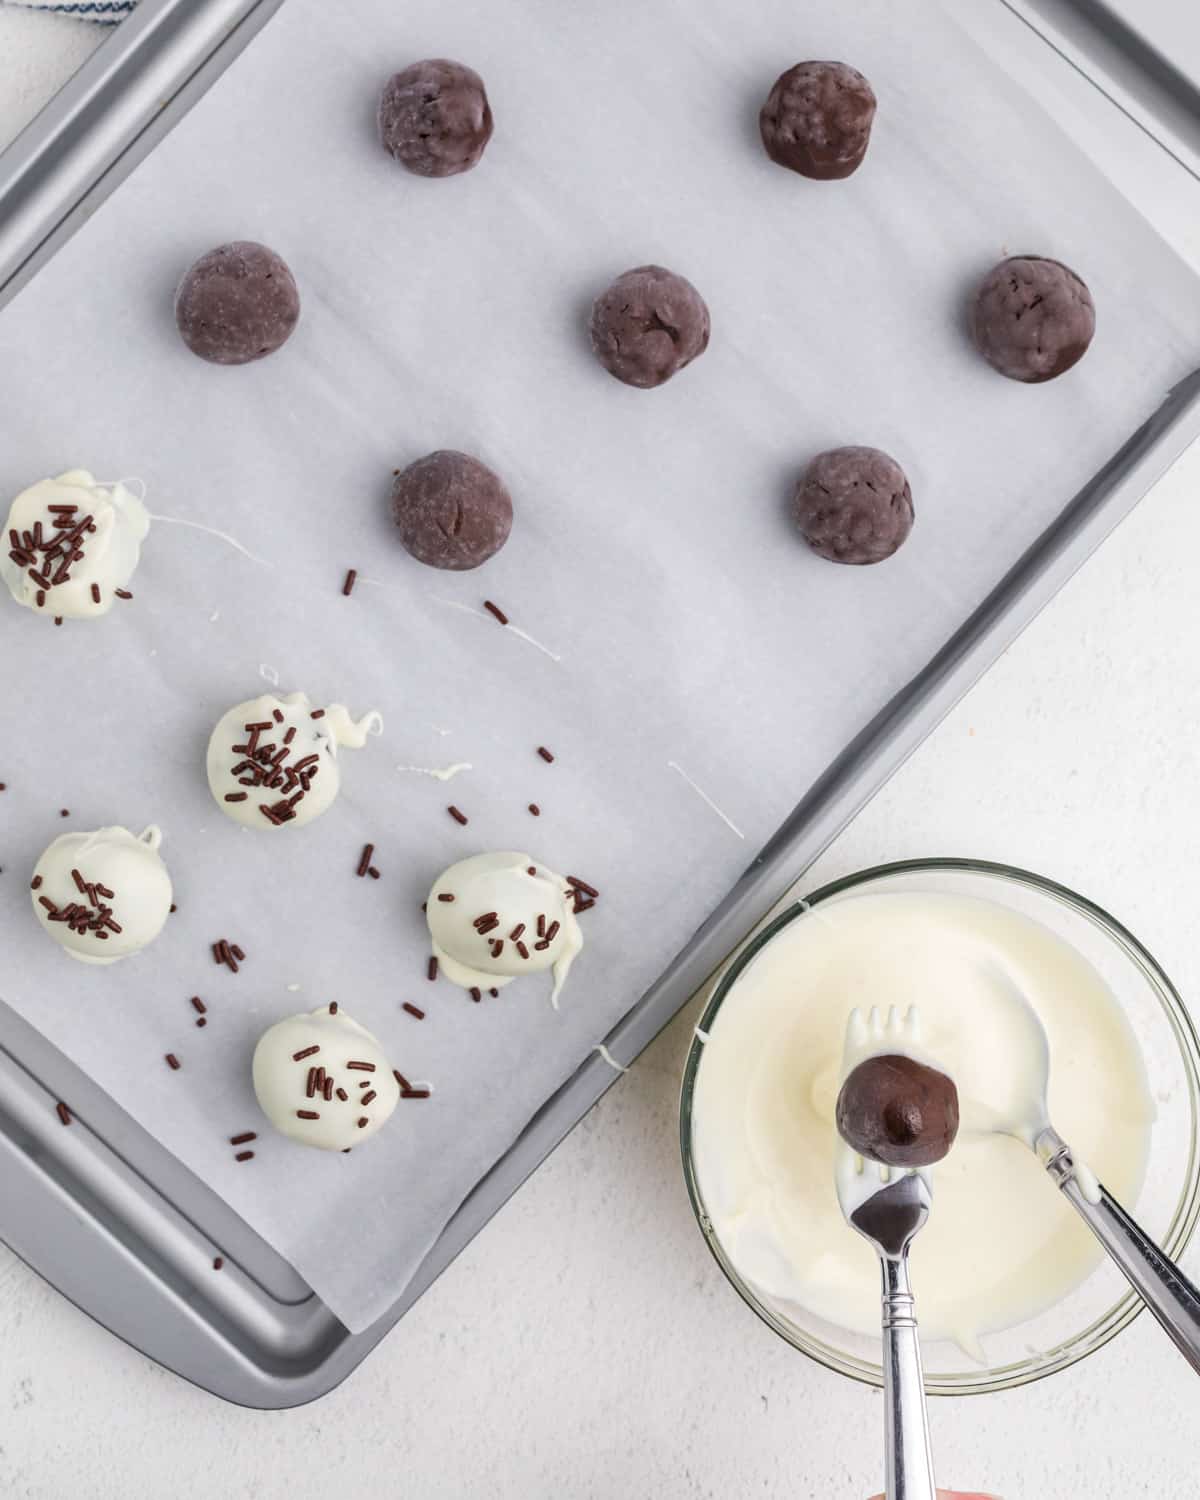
(106, 12)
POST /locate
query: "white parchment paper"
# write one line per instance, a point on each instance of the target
(693, 634)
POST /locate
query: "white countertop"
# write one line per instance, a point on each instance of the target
(586, 1344)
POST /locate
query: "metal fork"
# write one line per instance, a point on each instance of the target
(889, 1206)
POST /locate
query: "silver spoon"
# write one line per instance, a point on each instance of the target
(1166, 1291)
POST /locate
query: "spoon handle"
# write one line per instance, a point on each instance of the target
(1166, 1291)
(909, 1463)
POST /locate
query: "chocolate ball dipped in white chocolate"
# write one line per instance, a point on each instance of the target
(102, 896)
(72, 545)
(323, 1080)
(494, 917)
(273, 761)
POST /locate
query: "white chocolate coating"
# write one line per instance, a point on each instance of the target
(282, 1080)
(129, 901)
(1000, 1245)
(501, 883)
(111, 546)
(306, 780)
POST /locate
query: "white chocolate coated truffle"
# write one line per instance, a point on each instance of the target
(509, 916)
(71, 544)
(323, 1080)
(102, 895)
(272, 761)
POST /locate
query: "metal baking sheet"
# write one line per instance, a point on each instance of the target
(258, 1337)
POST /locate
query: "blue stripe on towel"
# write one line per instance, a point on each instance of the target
(105, 12)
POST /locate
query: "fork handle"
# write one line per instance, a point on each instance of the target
(1166, 1291)
(907, 1456)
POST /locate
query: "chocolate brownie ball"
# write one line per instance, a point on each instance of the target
(853, 505)
(648, 325)
(817, 119)
(434, 118)
(1032, 318)
(451, 510)
(895, 1110)
(237, 303)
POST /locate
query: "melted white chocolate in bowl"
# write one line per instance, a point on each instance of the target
(1001, 1245)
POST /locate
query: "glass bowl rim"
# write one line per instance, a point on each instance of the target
(1187, 1210)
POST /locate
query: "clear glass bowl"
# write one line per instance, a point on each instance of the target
(1169, 1204)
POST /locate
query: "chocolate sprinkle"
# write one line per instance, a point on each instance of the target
(36, 883)
(63, 1113)
(545, 754)
(363, 1122)
(361, 1067)
(517, 931)
(582, 906)
(122, 593)
(237, 953)
(317, 713)
(198, 1004)
(343, 1095)
(413, 1011)
(400, 1079)
(582, 885)
(493, 993)
(229, 956)
(446, 896)
(333, 1007)
(364, 859)
(173, 1062)
(348, 586)
(240, 1140)
(457, 815)
(306, 1052)
(367, 1097)
(414, 1093)
(535, 810)
(218, 1262)
(244, 1156)
(373, 873)
(63, 547)
(522, 950)
(432, 970)
(475, 994)
(201, 1021)
(494, 609)
(307, 1114)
